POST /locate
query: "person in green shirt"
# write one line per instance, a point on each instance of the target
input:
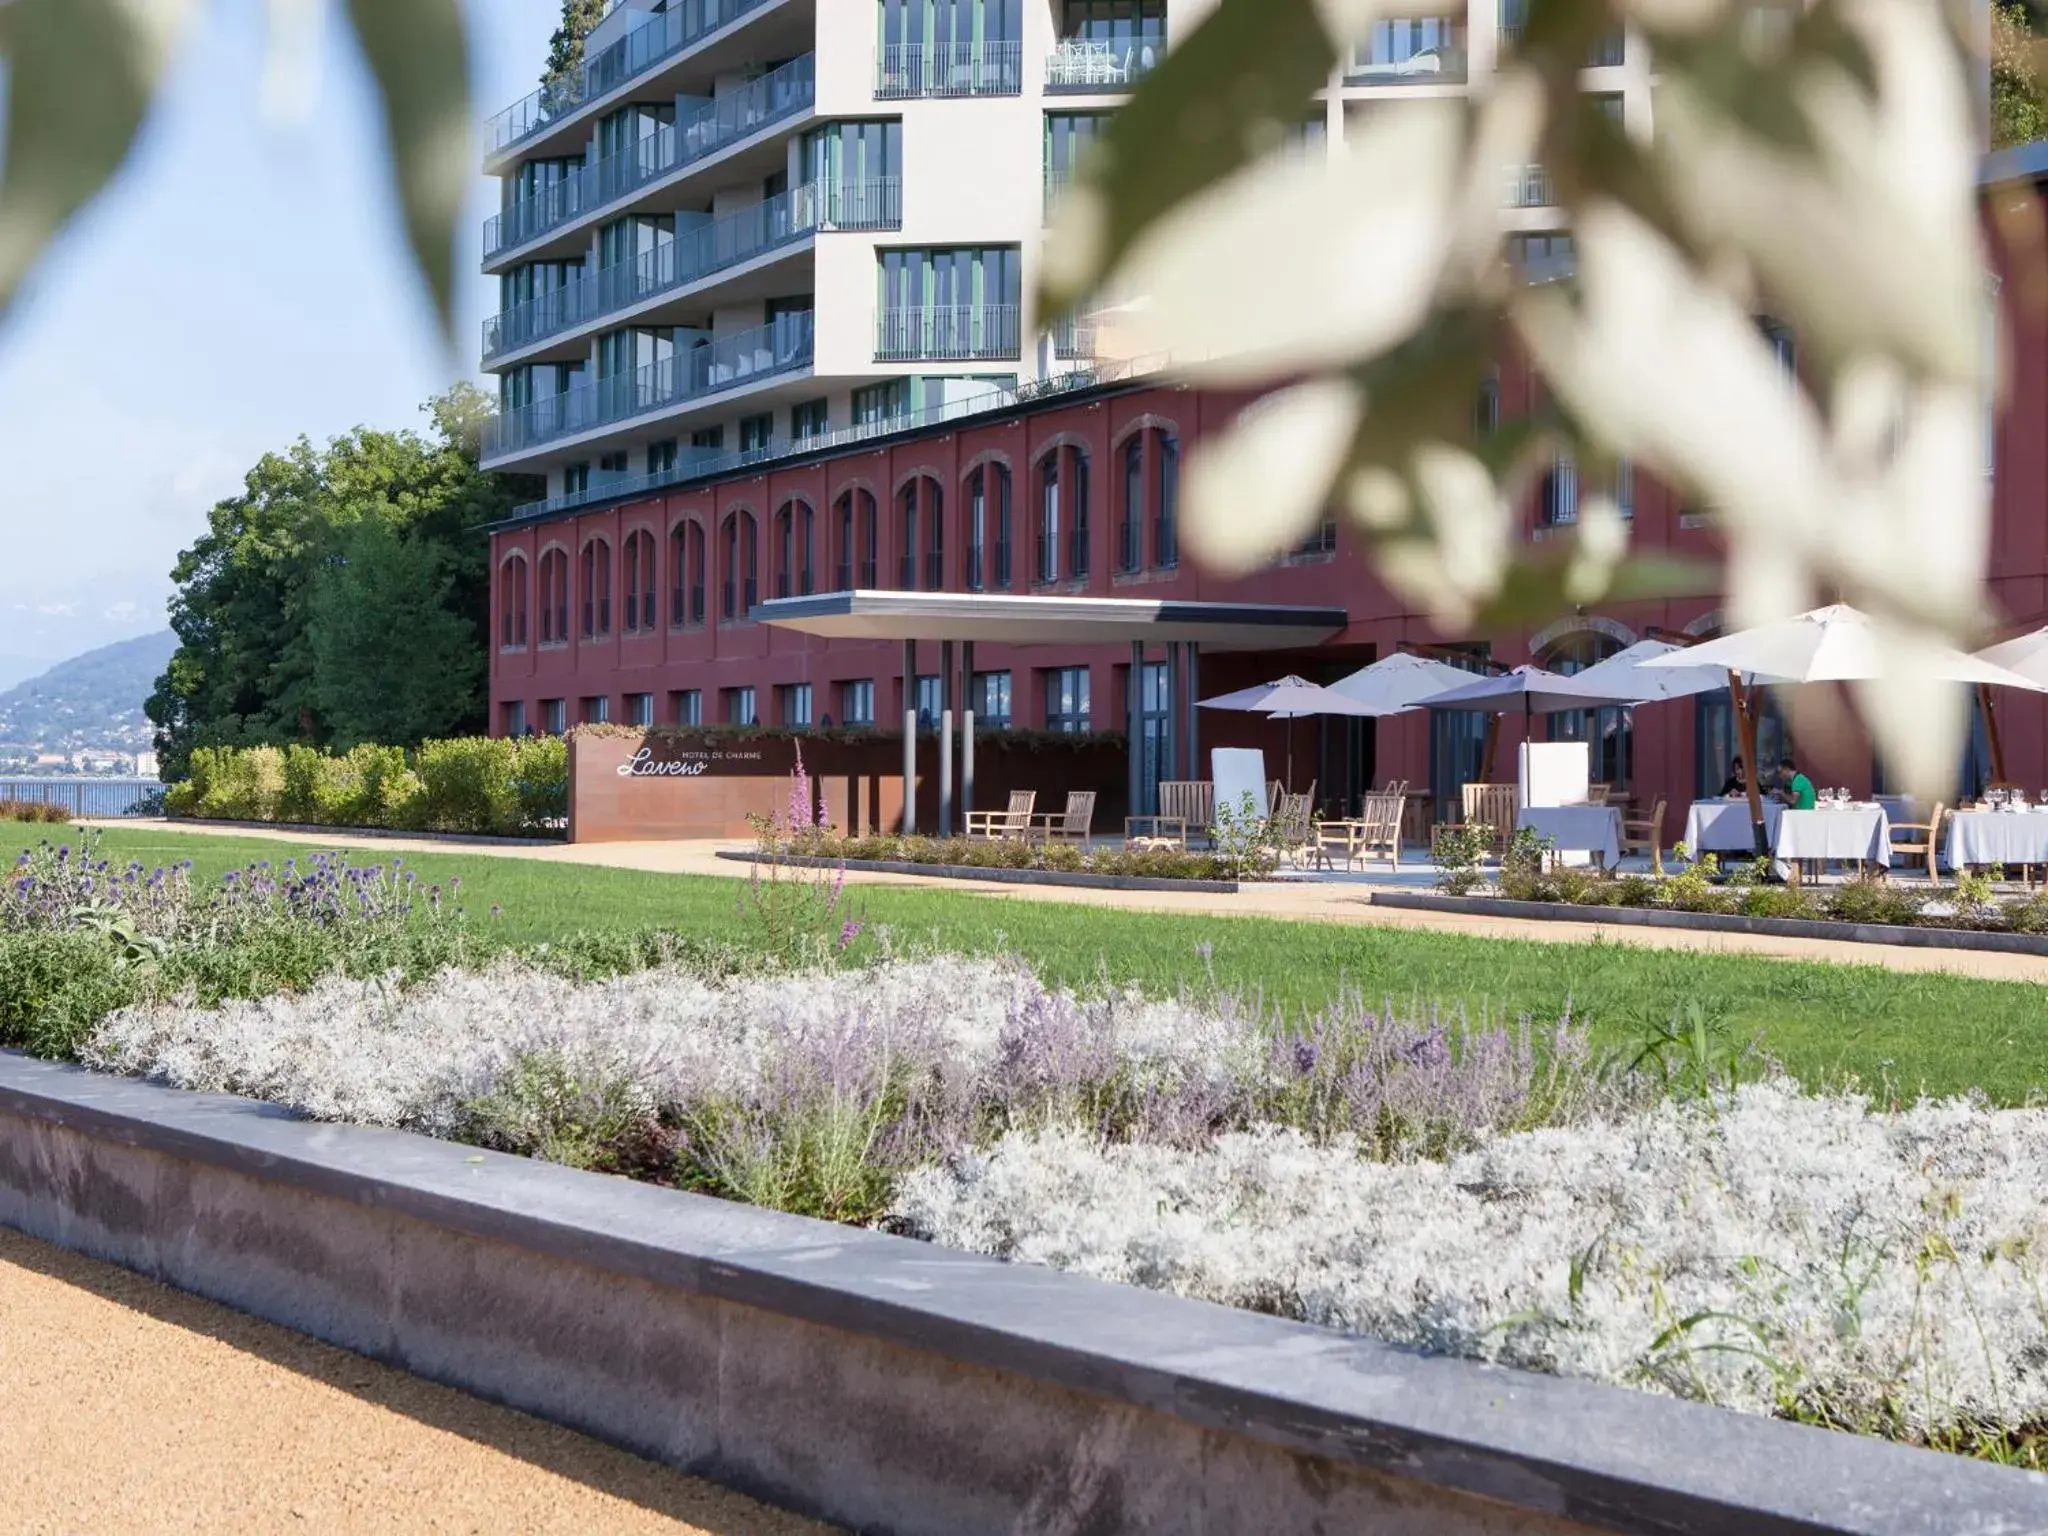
(1797, 789)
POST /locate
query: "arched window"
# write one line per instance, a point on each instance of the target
(554, 597)
(806, 538)
(921, 517)
(906, 540)
(974, 535)
(999, 513)
(739, 591)
(785, 549)
(686, 574)
(1557, 498)
(868, 536)
(512, 602)
(842, 543)
(1077, 500)
(1047, 567)
(640, 578)
(1166, 509)
(1130, 551)
(597, 589)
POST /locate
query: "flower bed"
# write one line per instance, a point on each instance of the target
(1483, 1194)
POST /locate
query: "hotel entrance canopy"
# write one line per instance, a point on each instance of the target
(996, 618)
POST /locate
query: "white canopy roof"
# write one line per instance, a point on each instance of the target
(1836, 644)
(1626, 673)
(1401, 682)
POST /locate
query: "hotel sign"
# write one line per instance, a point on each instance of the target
(690, 762)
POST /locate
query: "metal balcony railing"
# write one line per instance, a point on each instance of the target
(1081, 65)
(694, 255)
(1529, 187)
(1073, 337)
(781, 94)
(786, 345)
(682, 26)
(907, 70)
(947, 333)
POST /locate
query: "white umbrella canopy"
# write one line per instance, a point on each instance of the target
(2025, 654)
(1628, 676)
(1288, 698)
(1835, 644)
(1400, 682)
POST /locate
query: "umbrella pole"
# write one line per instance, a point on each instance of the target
(1991, 740)
(1492, 749)
(1745, 725)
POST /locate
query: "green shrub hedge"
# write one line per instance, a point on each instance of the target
(482, 784)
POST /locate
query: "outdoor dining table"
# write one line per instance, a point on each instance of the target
(1859, 834)
(1723, 826)
(1594, 829)
(2011, 838)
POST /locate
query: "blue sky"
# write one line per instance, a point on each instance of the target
(243, 282)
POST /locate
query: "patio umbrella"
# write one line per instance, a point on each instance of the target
(1289, 698)
(1627, 672)
(1400, 682)
(1525, 691)
(2028, 656)
(1835, 644)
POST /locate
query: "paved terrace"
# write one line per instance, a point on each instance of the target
(1328, 899)
(134, 1407)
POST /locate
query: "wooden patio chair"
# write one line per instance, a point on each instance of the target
(1377, 831)
(1293, 828)
(1185, 811)
(1014, 821)
(1646, 836)
(1075, 824)
(1493, 807)
(1596, 794)
(1928, 843)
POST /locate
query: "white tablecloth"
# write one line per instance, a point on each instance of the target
(1862, 832)
(1594, 829)
(2011, 838)
(1723, 826)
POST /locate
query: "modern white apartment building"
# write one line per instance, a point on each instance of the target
(746, 225)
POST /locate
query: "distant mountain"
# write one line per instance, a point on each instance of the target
(94, 700)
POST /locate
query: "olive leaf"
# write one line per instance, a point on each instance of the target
(80, 75)
(418, 52)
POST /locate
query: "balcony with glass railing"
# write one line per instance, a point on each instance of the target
(1415, 50)
(947, 333)
(694, 256)
(905, 71)
(775, 97)
(1084, 66)
(719, 366)
(681, 27)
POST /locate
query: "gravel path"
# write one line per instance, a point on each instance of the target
(132, 1407)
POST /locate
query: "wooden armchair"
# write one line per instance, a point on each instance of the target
(1596, 794)
(1927, 844)
(1645, 836)
(1187, 807)
(1075, 824)
(1293, 828)
(1015, 821)
(1378, 831)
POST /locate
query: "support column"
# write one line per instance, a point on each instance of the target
(1193, 669)
(966, 730)
(909, 737)
(1134, 769)
(945, 773)
(1176, 707)
(945, 738)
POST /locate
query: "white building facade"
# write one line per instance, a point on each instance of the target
(747, 226)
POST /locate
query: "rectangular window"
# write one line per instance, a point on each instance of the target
(857, 153)
(1068, 136)
(1066, 700)
(613, 464)
(575, 479)
(928, 703)
(708, 439)
(597, 709)
(1457, 737)
(878, 403)
(554, 716)
(661, 457)
(686, 706)
(1542, 258)
(756, 432)
(512, 717)
(857, 702)
(793, 701)
(807, 420)
(639, 709)
(739, 706)
(991, 700)
(1321, 542)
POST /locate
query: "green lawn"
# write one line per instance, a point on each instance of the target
(1825, 1022)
